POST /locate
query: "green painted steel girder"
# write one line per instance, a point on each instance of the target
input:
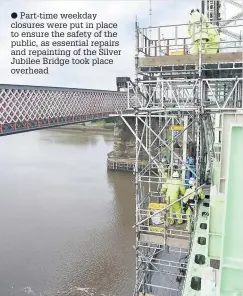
(231, 265)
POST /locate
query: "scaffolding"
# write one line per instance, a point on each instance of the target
(179, 101)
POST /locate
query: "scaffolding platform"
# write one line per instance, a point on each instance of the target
(176, 237)
(188, 59)
(218, 65)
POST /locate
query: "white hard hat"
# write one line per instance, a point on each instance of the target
(192, 181)
(175, 175)
(164, 159)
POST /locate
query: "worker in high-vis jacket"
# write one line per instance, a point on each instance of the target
(196, 32)
(189, 201)
(174, 188)
(213, 40)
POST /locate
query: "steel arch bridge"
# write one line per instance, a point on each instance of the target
(26, 108)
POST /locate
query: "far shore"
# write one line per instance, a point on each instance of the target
(93, 127)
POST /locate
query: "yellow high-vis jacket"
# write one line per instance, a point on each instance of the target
(194, 26)
(190, 194)
(173, 189)
(212, 33)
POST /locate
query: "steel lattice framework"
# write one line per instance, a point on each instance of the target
(25, 108)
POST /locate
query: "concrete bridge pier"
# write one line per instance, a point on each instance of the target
(124, 151)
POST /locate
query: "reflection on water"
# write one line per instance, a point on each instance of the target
(65, 221)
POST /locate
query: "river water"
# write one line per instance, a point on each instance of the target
(65, 221)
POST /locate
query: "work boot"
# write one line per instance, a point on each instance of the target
(170, 223)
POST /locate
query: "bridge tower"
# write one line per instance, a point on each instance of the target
(188, 95)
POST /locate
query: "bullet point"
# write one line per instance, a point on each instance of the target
(14, 15)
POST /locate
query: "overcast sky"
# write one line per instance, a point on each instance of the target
(122, 12)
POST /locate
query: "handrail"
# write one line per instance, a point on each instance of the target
(180, 40)
(186, 24)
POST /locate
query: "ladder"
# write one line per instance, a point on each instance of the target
(213, 10)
